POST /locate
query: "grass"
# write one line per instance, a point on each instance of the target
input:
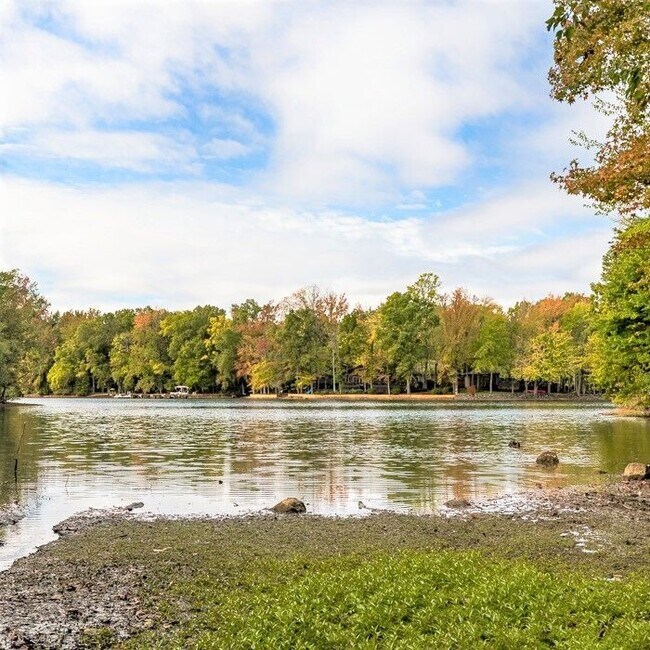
(410, 599)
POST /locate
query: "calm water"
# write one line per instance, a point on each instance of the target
(76, 454)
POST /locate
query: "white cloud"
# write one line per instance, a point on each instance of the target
(179, 245)
(225, 148)
(366, 99)
(132, 150)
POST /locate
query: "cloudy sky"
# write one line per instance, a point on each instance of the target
(177, 153)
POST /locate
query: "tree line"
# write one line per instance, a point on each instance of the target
(418, 339)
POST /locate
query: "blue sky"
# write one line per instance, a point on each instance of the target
(178, 153)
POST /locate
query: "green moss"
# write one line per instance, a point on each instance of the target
(97, 638)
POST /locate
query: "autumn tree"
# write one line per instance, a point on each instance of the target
(603, 47)
(459, 323)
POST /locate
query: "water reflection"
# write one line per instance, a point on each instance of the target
(235, 456)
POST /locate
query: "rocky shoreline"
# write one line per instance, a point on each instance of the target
(102, 581)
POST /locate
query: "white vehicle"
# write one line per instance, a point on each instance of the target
(180, 392)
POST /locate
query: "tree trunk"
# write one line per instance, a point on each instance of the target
(388, 381)
(408, 385)
(490, 382)
(535, 388)
(333, 372)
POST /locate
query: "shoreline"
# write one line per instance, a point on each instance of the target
(505, 397)
(109, 574)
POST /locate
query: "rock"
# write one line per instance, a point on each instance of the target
(290, 505)
(514, 444)
(636, 471)
(134, 505)
(548, 459)
(458, 503)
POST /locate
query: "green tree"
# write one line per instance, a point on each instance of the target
(223, 342)
(23, 316)
(82, 358)
(303, 340)
(139, 359)
(406, 327)
(622, 323)
(493, 345)
(552, 357)
(187, 333)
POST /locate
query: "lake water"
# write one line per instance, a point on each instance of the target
(235, 456)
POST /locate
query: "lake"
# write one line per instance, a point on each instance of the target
(236, 456)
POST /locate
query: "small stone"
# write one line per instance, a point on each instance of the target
(636, 471)
(289, 505)
(458, 503)
(548, 459)
(134, 505)
(514, 444)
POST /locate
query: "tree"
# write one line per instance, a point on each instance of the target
(493, 345)
(334, 308)
(405, 329)
(604, 46)
(303, 346)
(258, 345)
(459, 322)
(139, 358)
(622, 324)
(186, 333)
(222, 343)
(551, 358)
(23, 314)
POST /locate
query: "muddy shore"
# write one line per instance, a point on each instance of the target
(109, 577)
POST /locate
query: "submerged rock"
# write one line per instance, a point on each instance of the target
(636, 471)
(134, 505)
(289, 505)
(548, 459)
(514, 444)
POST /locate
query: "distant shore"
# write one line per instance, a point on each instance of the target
(372, 397)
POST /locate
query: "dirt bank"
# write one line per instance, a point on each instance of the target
(111, 574)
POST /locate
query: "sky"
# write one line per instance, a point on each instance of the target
(176, 153)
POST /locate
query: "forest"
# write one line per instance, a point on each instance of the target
(419, 339)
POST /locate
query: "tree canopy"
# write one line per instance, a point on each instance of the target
(602, 50)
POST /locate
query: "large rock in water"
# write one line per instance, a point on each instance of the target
(636, 471)
(548, 459)
(289, 505)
